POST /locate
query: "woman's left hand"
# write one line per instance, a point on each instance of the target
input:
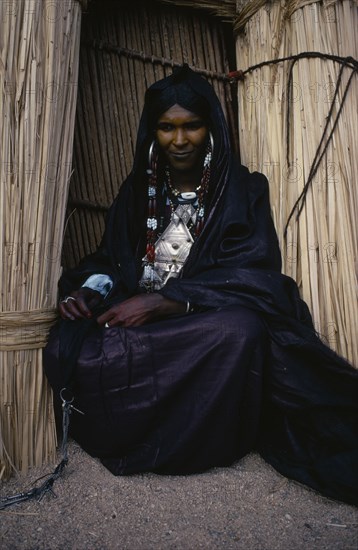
(139, 310)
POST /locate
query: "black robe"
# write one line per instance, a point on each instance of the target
(245, 371)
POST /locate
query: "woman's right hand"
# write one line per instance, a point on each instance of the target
(78, 304)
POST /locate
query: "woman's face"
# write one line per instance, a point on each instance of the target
(182, 136)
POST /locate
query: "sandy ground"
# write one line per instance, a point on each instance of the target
(246, 506)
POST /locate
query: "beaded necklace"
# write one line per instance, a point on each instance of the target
(152, 221)
(173, 189)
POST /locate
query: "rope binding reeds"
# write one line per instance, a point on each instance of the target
(346, 62)
(21, 330)
(152, 59)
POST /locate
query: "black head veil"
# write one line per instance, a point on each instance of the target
(126, 220)
(238, 230)
(232, 195)
(193, 92)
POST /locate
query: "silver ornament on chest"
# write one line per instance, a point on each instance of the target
(171, 248)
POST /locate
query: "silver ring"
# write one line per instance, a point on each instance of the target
(106, 325)
(68, 298)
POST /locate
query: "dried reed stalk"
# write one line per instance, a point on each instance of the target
(38, 83)
(321, 248)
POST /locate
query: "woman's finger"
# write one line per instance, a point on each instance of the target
(106, 319)
(62, 309)
(69, 309)
(112, 317)
(82, 307)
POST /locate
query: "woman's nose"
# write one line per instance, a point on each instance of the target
(180, 137)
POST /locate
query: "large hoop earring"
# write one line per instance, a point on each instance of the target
(151, 157)
(211, 139)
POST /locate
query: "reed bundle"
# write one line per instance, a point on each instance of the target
(38, 87)
(225, 9)
(321, 248)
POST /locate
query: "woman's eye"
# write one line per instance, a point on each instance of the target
(195, 125)
(165, 127)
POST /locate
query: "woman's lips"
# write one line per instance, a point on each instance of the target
(182, 155)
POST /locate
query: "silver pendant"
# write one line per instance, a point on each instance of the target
(171, 250)
(183, 213)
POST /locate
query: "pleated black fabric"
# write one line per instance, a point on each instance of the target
(173, 396)
(246, 371)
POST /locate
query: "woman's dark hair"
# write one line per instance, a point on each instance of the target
(177, 94)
